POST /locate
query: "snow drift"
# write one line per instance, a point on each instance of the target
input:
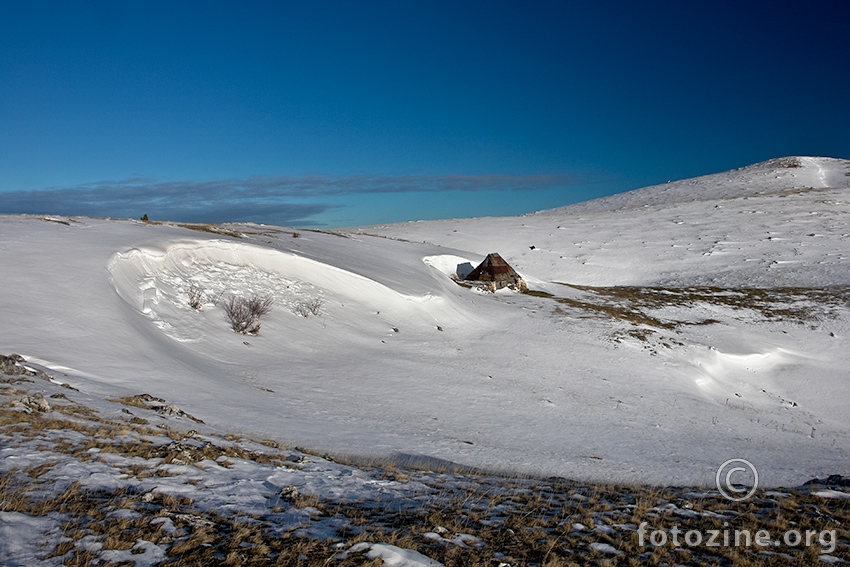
(589, 376)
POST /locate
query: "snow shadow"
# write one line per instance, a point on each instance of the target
(464, 270)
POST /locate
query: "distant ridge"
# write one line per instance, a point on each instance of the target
(768, 177)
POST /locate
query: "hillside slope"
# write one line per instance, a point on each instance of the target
(782, 222)
(579, 379)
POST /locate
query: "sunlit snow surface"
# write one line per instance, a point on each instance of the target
(403, 361)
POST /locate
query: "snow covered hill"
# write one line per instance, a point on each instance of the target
(783, 222)
(725, 338)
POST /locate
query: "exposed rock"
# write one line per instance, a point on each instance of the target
(834, 480)
(177, 453)
(174, 411)
(148, 398)
(197, 522)
(289, 492)
(13, 365)
(13, 379)
(33, 402)
(159, 405)
(170, 409)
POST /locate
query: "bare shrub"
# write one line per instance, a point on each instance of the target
(239, 314)
(260, 305)
(214, 299)
(196, 296)
(315, 305)
(310, 307)
(244, 313)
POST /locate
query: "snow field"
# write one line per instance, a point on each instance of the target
(91, 479)
(597, 383)
(763, 226)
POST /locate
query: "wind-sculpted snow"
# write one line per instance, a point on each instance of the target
(654, 344)
(735, 377)
(157, 282)
(450, 265)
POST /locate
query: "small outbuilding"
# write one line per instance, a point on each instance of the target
(494, 273)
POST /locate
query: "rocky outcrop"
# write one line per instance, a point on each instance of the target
(33, 402)
(13, 365)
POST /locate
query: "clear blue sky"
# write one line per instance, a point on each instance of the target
(346, 113)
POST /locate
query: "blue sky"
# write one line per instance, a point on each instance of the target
(350, 113)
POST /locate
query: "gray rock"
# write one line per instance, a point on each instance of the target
(174, 411)
(289, 492)
(13, 365)
(33, 402)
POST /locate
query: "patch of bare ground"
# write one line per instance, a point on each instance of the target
(201, 227)
(640, 306)
(459, 518)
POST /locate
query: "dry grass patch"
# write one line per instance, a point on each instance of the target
(479, 519)
(142, 401)
(638, 307)
(202, 227)
(795, 304)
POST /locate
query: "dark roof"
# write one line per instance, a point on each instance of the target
(493, 268)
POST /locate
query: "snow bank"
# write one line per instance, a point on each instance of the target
(137, 271)
(391, 555)
(450, 265)
(157, 282)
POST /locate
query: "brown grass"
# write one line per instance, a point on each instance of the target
(202, 227)
(634, 305)
(140, 401)
(521, 521)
